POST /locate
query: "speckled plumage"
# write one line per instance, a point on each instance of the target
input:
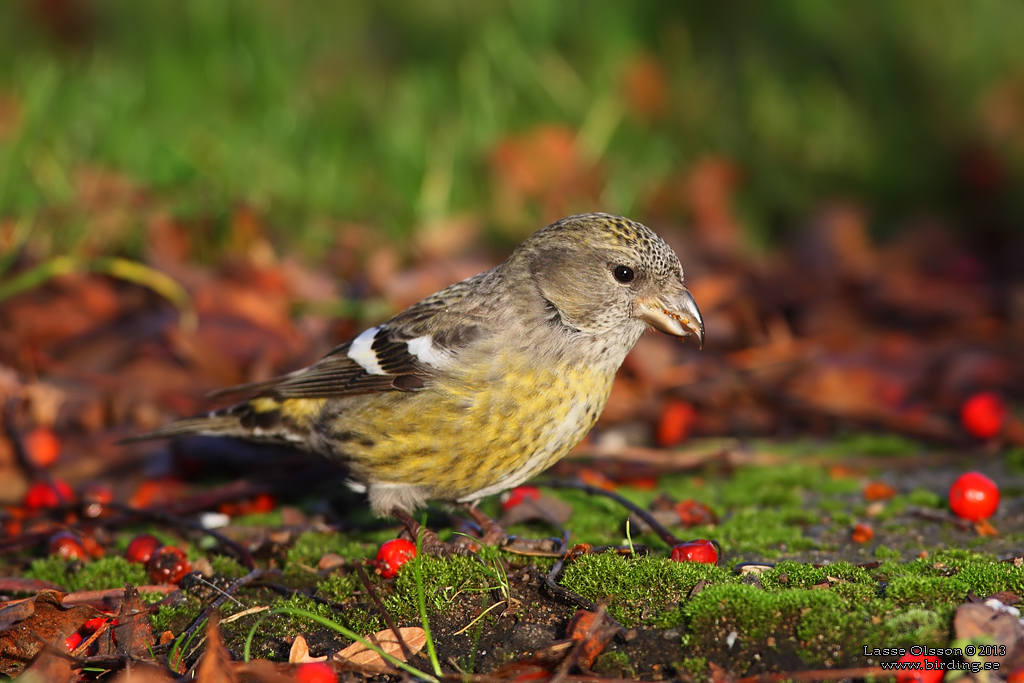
(485, 384)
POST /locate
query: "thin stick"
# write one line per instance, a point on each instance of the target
(221, 599)
(664, 534)
(383, 612)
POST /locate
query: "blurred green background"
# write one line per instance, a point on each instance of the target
(398, 113)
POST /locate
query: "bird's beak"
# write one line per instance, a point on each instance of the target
(677, 315)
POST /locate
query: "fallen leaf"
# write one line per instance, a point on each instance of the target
(593, 632)
(359, 654)
(133, 633)
(877, 490)
(30, 624)
(140, 672)
(299, 652)
(49, 667)
(546, 508)
(215, 666)
(980, 623)
(862, 533)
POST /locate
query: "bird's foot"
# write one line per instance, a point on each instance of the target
(429, 542)
(493, 533)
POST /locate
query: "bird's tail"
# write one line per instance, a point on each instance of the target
(227, 422)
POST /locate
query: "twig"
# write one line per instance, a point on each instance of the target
(216, 604)
(941, 518)
(659, 528)
(556, 590)
(817, 675)
(406, 650)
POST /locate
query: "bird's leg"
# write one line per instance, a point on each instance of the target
(430, 544)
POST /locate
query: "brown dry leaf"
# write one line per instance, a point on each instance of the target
(299, 652)
(980, 623)
(545, 508)
(359, 654)
(593, 632)
(330, 561)
(215, 666)
(645, 88)
(983, 527)
(49, 667)
(265, 671)
(709, 190)
(31, 623)
(141, 672)
(133, 633)
(446, 238)
(10, 116)
(543, 165)
(406, 288)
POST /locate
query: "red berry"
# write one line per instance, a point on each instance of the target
(142, 548)
(518, 495)
(42, 446)
(315, 672)
(973, 496)
(862, 533)
(677, 419)
(44, 494)
(698, 550)
(73, 641)
(168, 565)
(263, 502)
(692, 513)
(94, 624)
(68, 546)
(393, 554)
(927, 673)
(983, 414)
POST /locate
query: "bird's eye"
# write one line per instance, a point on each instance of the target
(623, 274)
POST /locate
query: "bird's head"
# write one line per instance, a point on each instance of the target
(607, 275)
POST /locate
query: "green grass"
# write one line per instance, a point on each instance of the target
(387, 113)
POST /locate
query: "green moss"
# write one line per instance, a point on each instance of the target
(985, 578)
(760, 531)
(614, 664)
(925, 498)
(789, 575)
(260, 519)
(639, 590)
(883, 552)
(1014, 460)
(874, 444)
(176, 618)
(443, 580)
(753, 613)
(310, 546)
(918, 626)
(282, 626)
(338, 587)
(107, 572)
(824, 627)
(695, 666)
(926, 590)
(228, 566)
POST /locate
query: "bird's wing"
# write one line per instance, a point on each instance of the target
(403, 354)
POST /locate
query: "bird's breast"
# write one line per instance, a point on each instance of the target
(480, 433)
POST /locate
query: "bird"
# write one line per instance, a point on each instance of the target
(483, 385)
